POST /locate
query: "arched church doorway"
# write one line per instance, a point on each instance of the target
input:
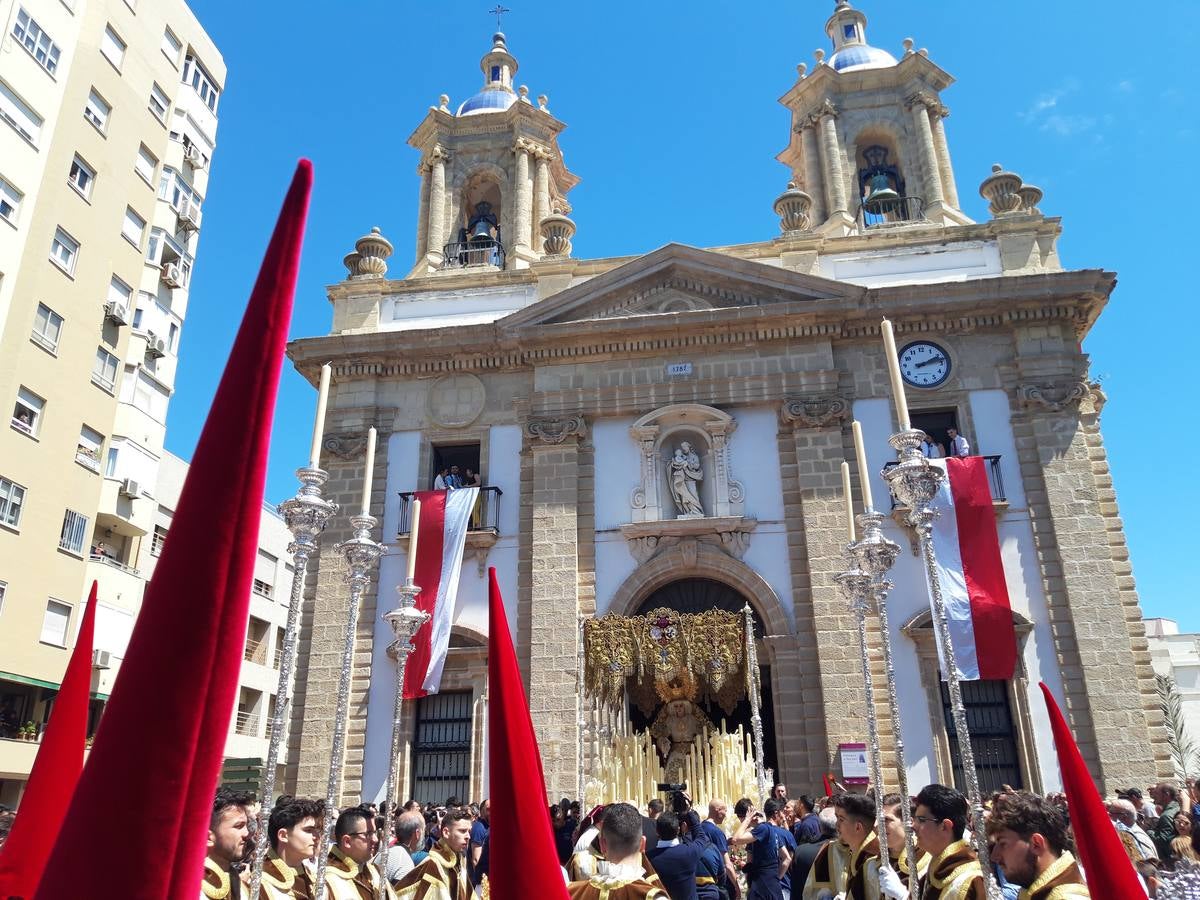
(697, 595)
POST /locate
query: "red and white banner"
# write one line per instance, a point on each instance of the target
(971, 573)
(441, 536)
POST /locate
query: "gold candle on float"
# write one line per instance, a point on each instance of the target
(413, 523)
(864, 470)
(314, 455)
(851, 536)
(369, 473)
(893, 361)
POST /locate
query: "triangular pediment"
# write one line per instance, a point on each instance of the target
(675, 280)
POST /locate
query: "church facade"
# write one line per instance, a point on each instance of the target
(666, 431)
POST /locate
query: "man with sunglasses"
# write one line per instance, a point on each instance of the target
(350, 873)
(939, 823)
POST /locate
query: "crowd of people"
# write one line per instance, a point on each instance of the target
(803, 848)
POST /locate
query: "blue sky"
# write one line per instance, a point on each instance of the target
(673, 125)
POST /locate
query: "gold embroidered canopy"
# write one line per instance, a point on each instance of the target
(698, 656)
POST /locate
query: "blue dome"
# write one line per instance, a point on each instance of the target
(488, 101)
(861, 56)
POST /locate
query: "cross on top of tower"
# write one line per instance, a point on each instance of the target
(499, 11)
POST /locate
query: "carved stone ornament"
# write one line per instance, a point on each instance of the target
(370, 256)
(555, 430)
(455, 401)
(793, 207)
(1002, 191)
(349, 445)
(557, 231)
(1053, 396)
(814, 412)
(647, 540)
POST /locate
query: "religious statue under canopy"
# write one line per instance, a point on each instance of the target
(686, 475)
(678, 723)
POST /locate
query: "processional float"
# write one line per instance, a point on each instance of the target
(666, 664)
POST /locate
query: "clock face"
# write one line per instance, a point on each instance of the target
(924, 364)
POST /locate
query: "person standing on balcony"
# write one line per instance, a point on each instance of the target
(958, 444)
(439, 483)
(472, 479)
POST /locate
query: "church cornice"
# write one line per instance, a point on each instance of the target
(999, 303)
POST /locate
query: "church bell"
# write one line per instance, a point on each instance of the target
(880, 194)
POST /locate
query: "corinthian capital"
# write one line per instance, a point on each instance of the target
(438, 154)
(555, 429)
(923, 98)
(825, 108)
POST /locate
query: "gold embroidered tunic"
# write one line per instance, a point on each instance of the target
(281, 882)
(954, 874)
(440, 876)
(1061, 881)
(829, 870)
(218, 884)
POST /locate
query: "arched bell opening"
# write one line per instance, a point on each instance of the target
(883, 193)
(480, 230)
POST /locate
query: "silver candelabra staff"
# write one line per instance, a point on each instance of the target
(915, 482)
(752, 687)
(406, 620)
(875, 555)
(361, 553)
(305, 515)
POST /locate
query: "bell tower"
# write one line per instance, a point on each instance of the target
(491, 174)
(868, 145)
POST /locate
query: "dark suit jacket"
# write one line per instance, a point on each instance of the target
(676, 866)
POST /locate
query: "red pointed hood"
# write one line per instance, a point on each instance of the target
(524, 860)
(55, 770)
(144, 801)
(1110, 875)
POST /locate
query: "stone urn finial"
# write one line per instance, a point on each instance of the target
(350, 261)
(1000, 189)
(523, 90)
(1031, 196)
(444, 102)
(819, 56)
(908, 46)
(372, 251)
(801, 70)
(792, 207)
(542, 101)
(557, 231)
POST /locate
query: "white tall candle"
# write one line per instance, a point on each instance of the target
(893, 361)
(413, 521)
(864, 470)
(369, 474)
(314, 455)
(849, 498)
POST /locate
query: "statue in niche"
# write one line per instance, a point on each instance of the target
(686, 475)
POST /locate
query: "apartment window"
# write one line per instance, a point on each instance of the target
(145, 164)
(104, 370)
(157, 541)
(12, 498)
(159, 103)
(195, 75)
(10, 202)
(133, 227)
(82, 177)
(54, 625)
(64, 251)
(142, 391)
(74, 532)
(17, 113)
(96, 111)
(262, 588)
(172, 337)
(112, 47)
(30, 35)
(4, 589)
(47, 328)
(171, 47)
(27, 412)
(120, 293)
(89, 449)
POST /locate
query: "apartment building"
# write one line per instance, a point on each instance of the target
(108, 118)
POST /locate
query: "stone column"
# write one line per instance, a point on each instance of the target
(436, 238)
(553, 444)
(831, 158)
(931, 180)
(936, 116)
(524, 199)
(812, 171)
(1093, 608)
(423, 212)
(541, 196)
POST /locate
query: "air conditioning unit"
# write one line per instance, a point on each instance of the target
(189, 216)
(116, 312)
(191, 155)
(131, 489)
(156, 347)
(101, 659)
(172, 275)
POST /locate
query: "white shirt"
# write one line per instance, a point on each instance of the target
(439, 483)
(959, 446)
(399, 863)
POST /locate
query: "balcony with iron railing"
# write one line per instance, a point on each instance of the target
(469, 254)
(246, 723)
(256, 651)
(881, 212)
(485, 518)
